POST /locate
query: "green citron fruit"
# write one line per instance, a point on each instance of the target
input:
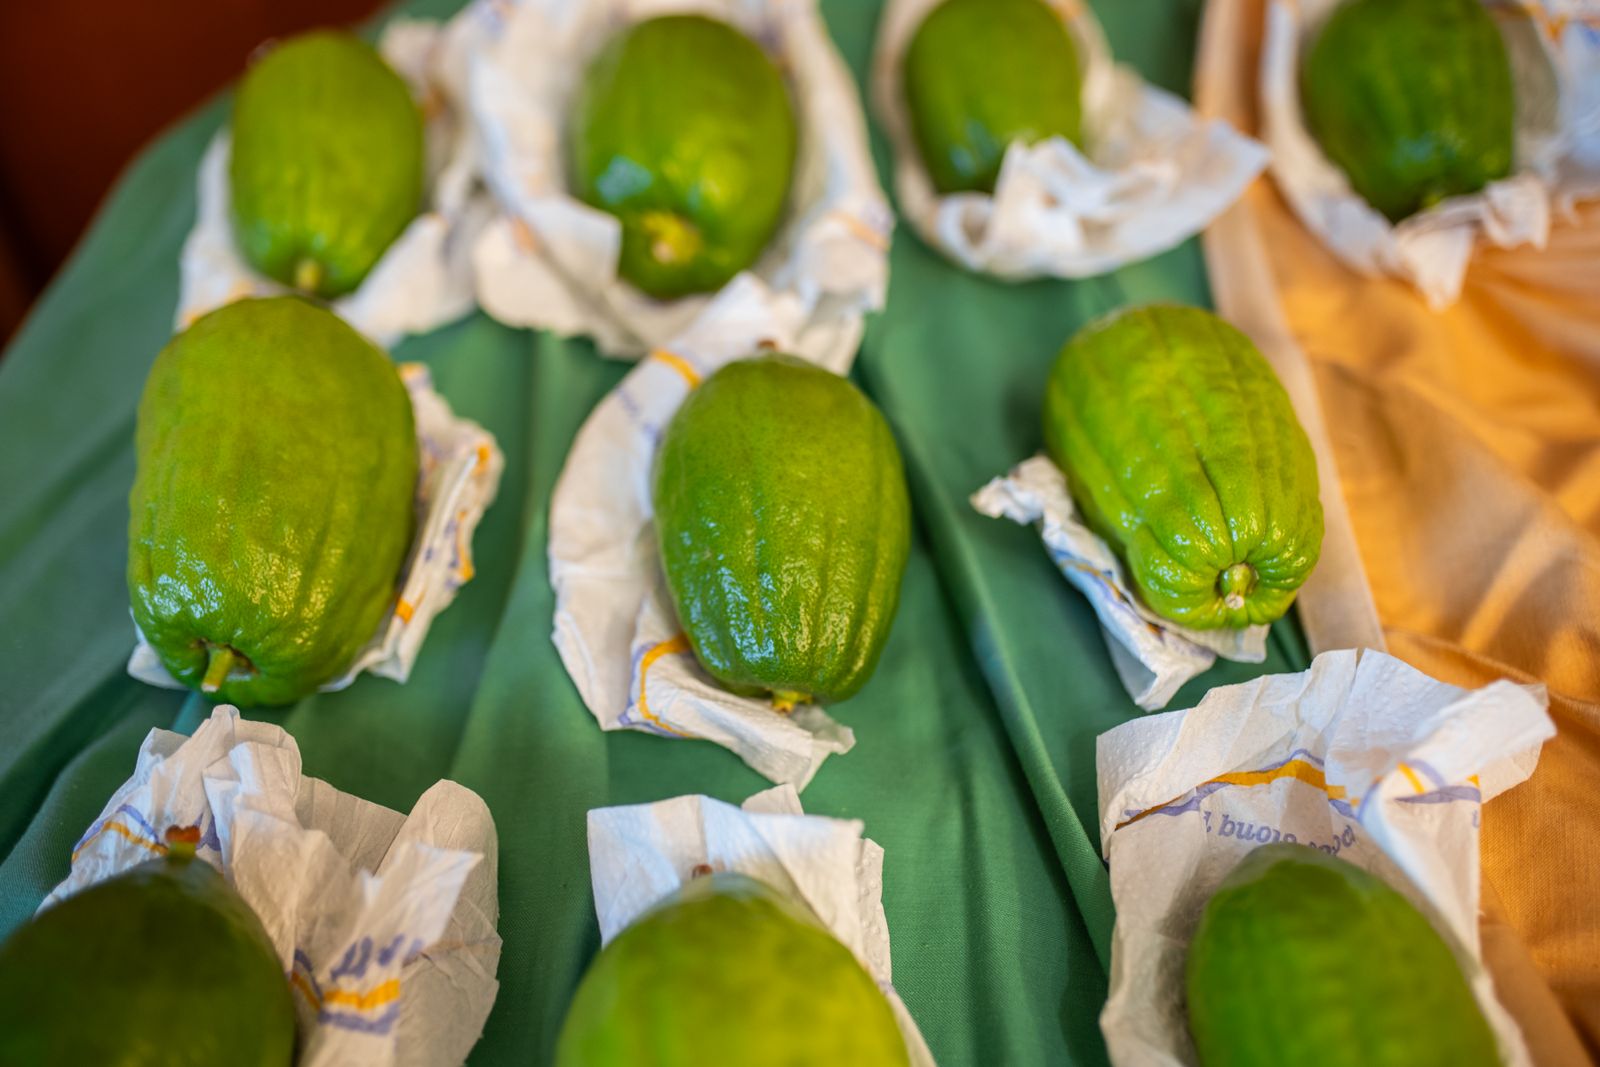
(727, 972)
(1412, 99)
(327, 162)
(980, 74)
(784, 524)
(1304, 958)
(272, 507)
(684, 131)
(164, 965)
(1183, 453)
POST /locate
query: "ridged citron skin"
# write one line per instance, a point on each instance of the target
(784, 525)
(1412, 99)
(327, 160)
(684, 130)
(1183, 452)
(1304, 958)
(980, 74)
(727, 972)
(272, 506)
(164, 965)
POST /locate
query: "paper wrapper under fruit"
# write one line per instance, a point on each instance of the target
(384, 923)
(643, 853)
(1153, 173)
(550, 260)
(424, 279)
(1153, 656)
(459, 476)
(1361, 756)
(1555, 67)
(615, 625)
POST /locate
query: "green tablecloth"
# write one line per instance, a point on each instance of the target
(974, 763)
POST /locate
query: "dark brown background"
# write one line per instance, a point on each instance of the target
(85, 83)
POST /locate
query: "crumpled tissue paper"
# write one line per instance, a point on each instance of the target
(1153, 656)
(550, 260)
(1154, 172)
(384, 923)
(1361, 755)
(615, 625)
(425, 277)
(643, 853)
(1555, 66)
(460, 466)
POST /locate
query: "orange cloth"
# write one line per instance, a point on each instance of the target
(1467, 444)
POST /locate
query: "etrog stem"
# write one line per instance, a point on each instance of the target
(217, 669)
(673, 238)
(1236, 583)
(181, 841)
(784, 700)
(307, 275)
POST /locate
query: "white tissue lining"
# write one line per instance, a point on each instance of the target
(384, 923)
(641, 854)
(1153, 656)
(1154, 173)
(1361, 755)
(424, 279)
(459, 474)
(550, 260)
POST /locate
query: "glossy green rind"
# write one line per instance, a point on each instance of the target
(980, 74)
(1183, 452)
(164, 965)
(1412, 99)
(1304, 958)
(272, 507)
(727, 972)
(684, 131)
(784, 526)
(327, 161)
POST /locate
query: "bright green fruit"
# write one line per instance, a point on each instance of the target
(1304, 958)
(784, 523)
(1183, 452)
(327, 161)
(272, 508)
(163, 965)
(728, 973)
(685, 132)
(980, 74)
(1412, 99)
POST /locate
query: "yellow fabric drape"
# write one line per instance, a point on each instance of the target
(1467, 444)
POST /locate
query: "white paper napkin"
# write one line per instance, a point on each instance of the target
(384, 923)
(1154, 173)
(615, 626)
(1361, 756)
(460, 466)
(1153, 656)
(424, 279)
(1555, 68)
(550, 260)
(643, 853)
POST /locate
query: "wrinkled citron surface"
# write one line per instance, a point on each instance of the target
(272, 504)
(326, 167)
(1412, 99)
(163, 965)
(784, 525)
(1183, 452)
(727, 972)
(684, 131)
(980, 74)
(1304, 958)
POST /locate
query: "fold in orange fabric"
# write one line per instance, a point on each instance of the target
(1467, 444)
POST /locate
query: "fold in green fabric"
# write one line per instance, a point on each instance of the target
(974, 762)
